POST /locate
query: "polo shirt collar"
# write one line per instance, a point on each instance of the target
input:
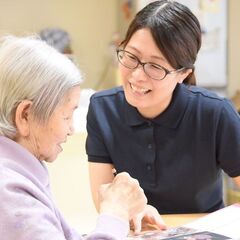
(170, 118)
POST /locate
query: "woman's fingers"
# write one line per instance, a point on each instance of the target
(123, 197)
(148, 216)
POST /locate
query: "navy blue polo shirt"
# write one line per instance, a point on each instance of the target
(178, 156)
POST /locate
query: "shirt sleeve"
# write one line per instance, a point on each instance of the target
(109, 227)
(95, 144)
(228, 140)
(26, 213)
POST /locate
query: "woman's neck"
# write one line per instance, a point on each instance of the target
(155, 110)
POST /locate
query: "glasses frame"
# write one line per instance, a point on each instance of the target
(143, 64)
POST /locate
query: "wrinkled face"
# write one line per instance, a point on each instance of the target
(45, 141)
(149, 96)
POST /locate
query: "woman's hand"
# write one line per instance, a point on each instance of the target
(123, 197)
(148, 216)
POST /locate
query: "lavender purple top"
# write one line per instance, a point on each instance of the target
(27, 210)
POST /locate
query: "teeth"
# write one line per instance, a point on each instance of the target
(141, 90)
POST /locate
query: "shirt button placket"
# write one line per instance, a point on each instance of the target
(149, 167)
(150, 146)
(151, 154)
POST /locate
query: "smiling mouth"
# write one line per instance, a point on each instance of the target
(139, 90)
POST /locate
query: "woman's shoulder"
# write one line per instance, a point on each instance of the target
(108, 93)
(205, 93)
(208, 99)
(110, 98)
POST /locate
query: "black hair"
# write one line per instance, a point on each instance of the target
(176, 31)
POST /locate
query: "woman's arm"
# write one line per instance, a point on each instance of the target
(99, 173)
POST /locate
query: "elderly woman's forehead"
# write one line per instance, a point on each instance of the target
(73, 94)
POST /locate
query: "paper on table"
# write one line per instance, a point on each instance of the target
(157, 234)
(225, 221)
(178, 233)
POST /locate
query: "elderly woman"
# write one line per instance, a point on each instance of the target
(39, 91)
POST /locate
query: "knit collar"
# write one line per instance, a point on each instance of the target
(170, 118)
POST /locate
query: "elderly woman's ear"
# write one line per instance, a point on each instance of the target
(22, 117)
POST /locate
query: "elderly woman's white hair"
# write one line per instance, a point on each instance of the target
(32, 70)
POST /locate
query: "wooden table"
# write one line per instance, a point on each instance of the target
(173, 220)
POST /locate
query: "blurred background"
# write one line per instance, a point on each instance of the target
(94, 29)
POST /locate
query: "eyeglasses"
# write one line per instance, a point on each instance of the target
(154, 71)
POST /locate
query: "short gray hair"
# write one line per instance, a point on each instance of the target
(32, 70)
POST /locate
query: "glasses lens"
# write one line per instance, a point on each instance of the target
(127, 59)
(154, 71)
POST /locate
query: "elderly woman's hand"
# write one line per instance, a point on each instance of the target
(149, 216)
(123, 197)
